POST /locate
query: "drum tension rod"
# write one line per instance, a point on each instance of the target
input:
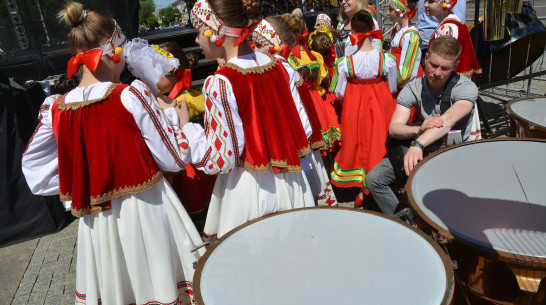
(208, 242)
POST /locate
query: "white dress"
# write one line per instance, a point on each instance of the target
(239, 195)
(139, 251)
(312, 164)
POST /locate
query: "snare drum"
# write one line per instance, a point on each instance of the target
(527, 117)
(324, 256)
(487, 201)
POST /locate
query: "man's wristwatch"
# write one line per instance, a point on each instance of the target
(418, 144)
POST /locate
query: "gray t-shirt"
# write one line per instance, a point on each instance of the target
(417, 95)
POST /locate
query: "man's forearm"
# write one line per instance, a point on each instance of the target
(432, 135)
(403, 131)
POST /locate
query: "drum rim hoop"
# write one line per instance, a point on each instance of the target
(446, 261)
(501, 255)
(519, 118)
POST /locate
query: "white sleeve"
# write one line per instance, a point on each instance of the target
(163, 137)
(447, 29)
(40, 159)
(217, 148)
(391, 71)
(339, 81)
(295, 78)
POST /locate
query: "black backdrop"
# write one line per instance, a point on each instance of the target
(23, 216)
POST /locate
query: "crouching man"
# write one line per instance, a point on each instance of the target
(444, 101)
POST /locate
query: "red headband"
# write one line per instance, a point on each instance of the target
(358, 37)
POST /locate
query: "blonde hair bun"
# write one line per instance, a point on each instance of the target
(73, 14)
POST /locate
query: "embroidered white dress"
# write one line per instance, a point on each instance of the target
(405, 46)
(312, 164)
(239, 195)
(139, 251)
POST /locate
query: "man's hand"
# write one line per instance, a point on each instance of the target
(432, 122)
(183, 114)
(412, 157)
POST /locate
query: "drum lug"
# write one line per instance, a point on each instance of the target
(454, 264)
(443, 240)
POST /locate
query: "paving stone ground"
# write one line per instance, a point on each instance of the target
(50, 277)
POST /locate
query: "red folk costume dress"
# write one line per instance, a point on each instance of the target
(453, 26)
(103, 147)
(310, 66)
(253, 140)
(365, 81)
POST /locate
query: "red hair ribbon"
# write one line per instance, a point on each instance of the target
(302, 41)
(90, 59)
(184, 81)
(246, 31)
(358, 37)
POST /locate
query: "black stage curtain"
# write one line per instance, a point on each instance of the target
(23, 216)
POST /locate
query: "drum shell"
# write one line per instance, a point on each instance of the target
(486, 273)
(522, 128)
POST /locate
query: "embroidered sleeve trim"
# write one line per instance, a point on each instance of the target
(122, 191)
(32, 137)
(229, 120)
(158, 127)
(76, 105)
(258, 69)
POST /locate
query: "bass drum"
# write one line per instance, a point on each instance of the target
(486, 201)
(523, 33)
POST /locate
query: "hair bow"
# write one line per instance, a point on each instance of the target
(302, 41)
(184, 81)
(358, 37)
(90, 59)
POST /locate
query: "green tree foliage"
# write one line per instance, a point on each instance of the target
(152, 21)
(169, 15)
(146, 9)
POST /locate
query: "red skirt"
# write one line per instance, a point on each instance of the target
(367, 110)
(194, 188)
(328, 117)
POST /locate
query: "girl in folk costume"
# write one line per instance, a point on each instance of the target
(365, 82)
(193, 187)
(405, 41)
(103, 147)
(450, 24)
(272, 36)
(347, 9)
(323, 20)
(253, 135)
(310, 65)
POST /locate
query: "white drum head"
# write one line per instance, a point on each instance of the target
(324, 256)
(490, 194)
(532, 110)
